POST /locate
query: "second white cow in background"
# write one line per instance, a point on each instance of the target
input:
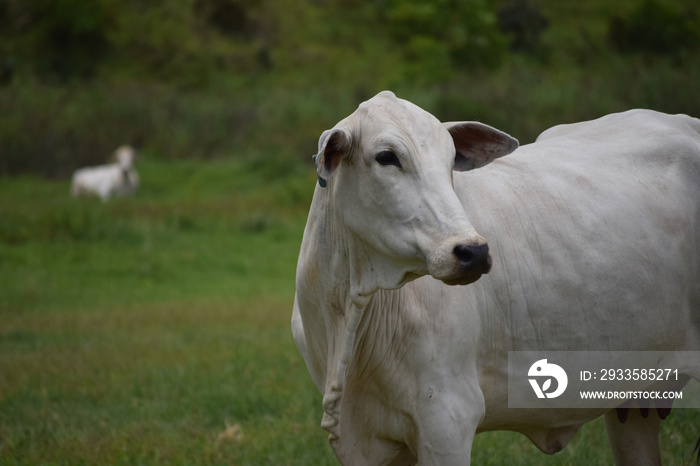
(116, 179)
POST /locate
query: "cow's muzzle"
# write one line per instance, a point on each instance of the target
(472, 262)
(465, 263)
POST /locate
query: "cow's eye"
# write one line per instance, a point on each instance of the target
(387, 157)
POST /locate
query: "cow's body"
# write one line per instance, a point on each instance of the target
(106, 181)
(594, 233)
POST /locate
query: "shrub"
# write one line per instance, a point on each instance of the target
(655, 27)
(464, 31)
(524, 21)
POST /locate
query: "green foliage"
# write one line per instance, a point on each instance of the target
(209, 79)
(230, 17)
(65, 38)
(524, 100)
(657, 27)
(171, 40)
(54, 130)
(524, 23)
(445, 35)
(186, 41)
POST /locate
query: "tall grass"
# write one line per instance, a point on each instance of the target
(55, 130)
(524, 100)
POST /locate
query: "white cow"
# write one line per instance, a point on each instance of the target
(116, 179)
(592, 234)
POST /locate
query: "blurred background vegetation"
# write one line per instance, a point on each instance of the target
(155, 329)
(224, 78)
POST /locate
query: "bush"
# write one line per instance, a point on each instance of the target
(65, 39)
(443, 35)
(54, 130)
(524, 22)
(657, 28)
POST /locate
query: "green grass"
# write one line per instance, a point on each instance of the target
(193, 230)
(155, 330)
(157, 385)
(136, 331)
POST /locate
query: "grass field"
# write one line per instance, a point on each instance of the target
(155, 330)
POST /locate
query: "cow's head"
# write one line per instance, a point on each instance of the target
(388, 168)
(124, 157)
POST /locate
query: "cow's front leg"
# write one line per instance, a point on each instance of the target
(446, 428)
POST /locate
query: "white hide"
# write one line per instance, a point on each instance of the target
(116, 179)
(592, 244)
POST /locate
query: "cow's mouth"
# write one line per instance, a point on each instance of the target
(464, 280)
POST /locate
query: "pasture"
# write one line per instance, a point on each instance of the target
(155, 329)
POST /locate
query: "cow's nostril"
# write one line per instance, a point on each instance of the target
(464, 254)
(476, 257)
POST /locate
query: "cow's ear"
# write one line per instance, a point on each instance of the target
(478, 144)
(333, 145)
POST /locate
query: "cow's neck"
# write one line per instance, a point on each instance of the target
(348, 274)
(351, 269)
